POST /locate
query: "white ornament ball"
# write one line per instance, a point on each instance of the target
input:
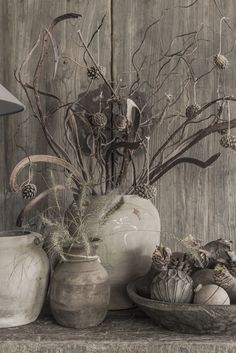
(211, 294)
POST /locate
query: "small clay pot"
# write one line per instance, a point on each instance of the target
(80, 292)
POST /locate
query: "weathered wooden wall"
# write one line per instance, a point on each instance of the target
(190, 200)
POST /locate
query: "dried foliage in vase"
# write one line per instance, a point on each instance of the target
(75, 226)
(101, 144)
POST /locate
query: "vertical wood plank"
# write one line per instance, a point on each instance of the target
(190, 200)
(21, 22)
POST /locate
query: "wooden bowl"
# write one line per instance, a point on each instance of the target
(185, 318)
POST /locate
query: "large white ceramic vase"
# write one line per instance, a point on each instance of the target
(129, 238)
(24, 270)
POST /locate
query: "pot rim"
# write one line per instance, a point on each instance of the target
(80, 258)
(15, 236)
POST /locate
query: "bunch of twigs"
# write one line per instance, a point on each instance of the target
(113, 143)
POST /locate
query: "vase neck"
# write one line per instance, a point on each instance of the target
(76, 255)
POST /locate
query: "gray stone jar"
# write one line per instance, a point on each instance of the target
(24, 272)
(80, 292)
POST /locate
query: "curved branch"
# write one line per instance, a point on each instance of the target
(74, 131)
(36, 104)
(38, 159)
(43, 93)
(136, 82)
(34, 202)
(92, 37)
(182, 126)
(201, 134)
(190, 160)
(46, 43)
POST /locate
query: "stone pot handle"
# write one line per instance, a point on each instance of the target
(38, 239)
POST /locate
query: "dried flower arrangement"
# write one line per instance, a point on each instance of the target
(75, 226)
(102, 143)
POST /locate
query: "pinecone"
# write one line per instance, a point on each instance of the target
(221, 62)
(29, 191)
(225, 141)
(120, 122)
(181, 262)
(160, 258)
(228, 141)
(93, 73)
(146, 191)
(222, 276)
(192, 110)
(99, 120)
(233, 142)
(203, 259)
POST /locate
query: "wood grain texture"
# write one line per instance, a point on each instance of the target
(126, 331)
(17, 36)
(208, 319)
(190, 200)
(21, 134)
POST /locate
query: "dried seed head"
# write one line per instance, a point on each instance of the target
(192, 110)
(29, 191)
(161, 258)
(93, 72)
(221, 62)
(225, 141)
(233, 142)
(228, 141)
(146, 191)
(99, 120)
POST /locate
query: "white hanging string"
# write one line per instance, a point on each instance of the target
(100, 101)
(28, 181)
(98, 43)
(228, 133)
(221, 21)
(218, 83)
(194, 93)
(30, 174)
(228, 111)
(148, 156)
